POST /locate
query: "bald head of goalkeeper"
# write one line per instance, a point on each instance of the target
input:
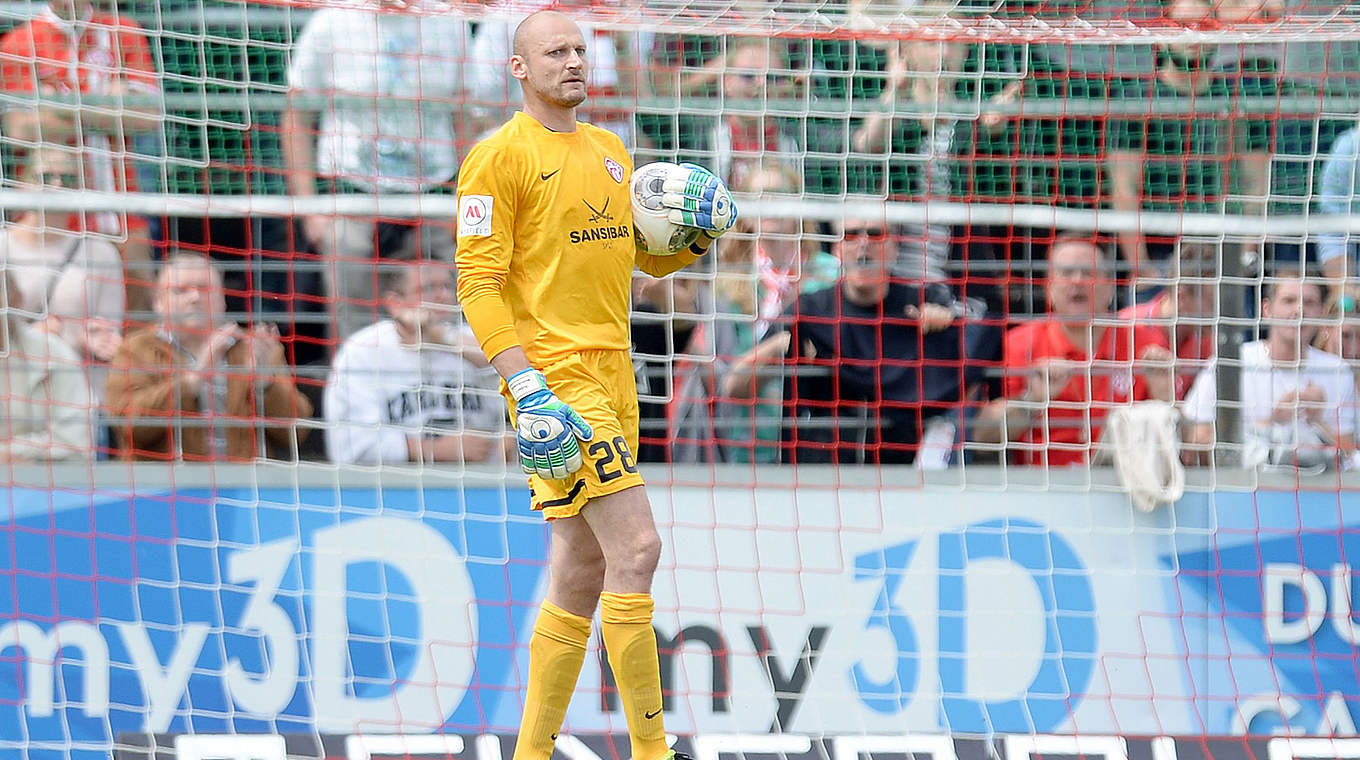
(549, 60)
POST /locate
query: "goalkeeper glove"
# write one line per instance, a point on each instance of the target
(546, 428)
(695, 197)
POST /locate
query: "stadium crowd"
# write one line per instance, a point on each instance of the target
(798, 340)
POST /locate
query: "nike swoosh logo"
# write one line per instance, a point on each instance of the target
(651, 715)
(549, 175)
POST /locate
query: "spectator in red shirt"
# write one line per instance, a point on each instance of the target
(1185, 312)
(1064, 373)
(72, 48)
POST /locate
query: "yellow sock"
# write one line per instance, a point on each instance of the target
(556, 651)
(628, 637)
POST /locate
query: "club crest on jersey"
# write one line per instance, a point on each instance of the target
(614, 168)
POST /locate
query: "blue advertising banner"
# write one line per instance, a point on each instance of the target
(343, 611)
(203, 611)
(1269, 587)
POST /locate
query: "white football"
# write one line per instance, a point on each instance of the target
(652, 232)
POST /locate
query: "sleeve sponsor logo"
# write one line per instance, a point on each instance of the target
(474, 215)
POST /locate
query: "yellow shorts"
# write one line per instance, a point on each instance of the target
(601, 387)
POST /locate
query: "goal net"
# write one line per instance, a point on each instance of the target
(1015, 418)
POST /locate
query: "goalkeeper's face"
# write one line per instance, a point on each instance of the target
(550, 61)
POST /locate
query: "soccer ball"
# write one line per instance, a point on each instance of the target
(652, 232)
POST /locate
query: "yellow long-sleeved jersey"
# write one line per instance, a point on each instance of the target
(545, 241)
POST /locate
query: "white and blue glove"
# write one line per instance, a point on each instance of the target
(546, 428)
(696, 197)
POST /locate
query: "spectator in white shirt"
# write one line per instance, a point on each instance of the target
(398, 123)
(46, 408)
(1293, 394)
(69, 283)
(414, 387)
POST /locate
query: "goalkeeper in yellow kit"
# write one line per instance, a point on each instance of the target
(545, 262)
